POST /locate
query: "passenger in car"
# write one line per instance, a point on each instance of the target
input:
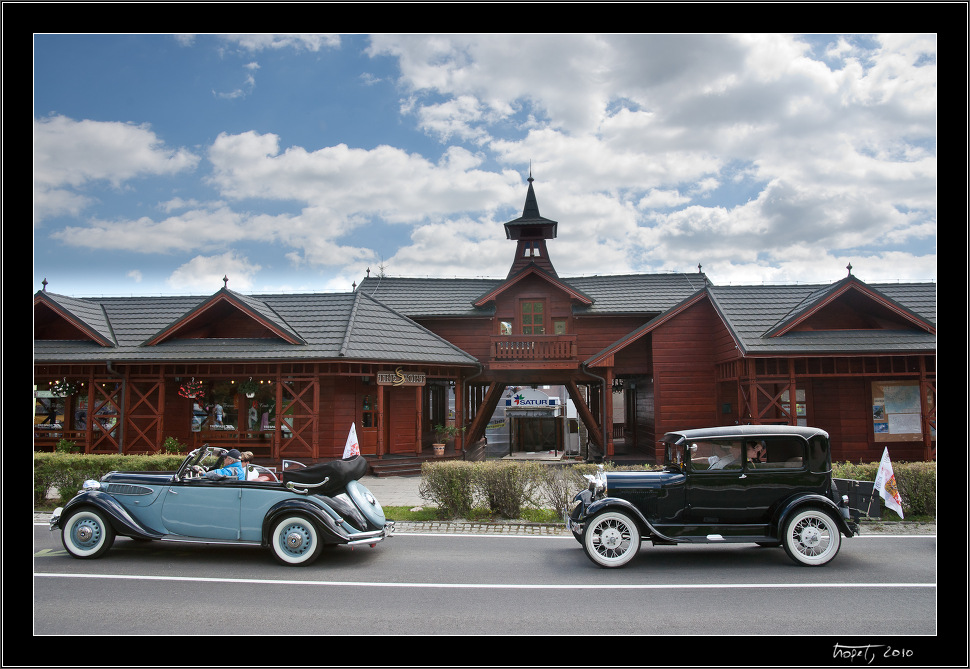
(756, 453)
(231, 466)
(724, 456)
(247, 462)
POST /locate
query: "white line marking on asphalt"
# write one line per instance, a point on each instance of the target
(493, 586)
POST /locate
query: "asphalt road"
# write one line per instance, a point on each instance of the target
(426, 584)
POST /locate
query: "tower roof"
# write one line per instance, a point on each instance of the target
(530, 225)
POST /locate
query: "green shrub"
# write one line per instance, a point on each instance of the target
(916, 482)
(448, 485)
(173, 445)
(66, 472)
(507, 487)
(66, 446)
(561, 483)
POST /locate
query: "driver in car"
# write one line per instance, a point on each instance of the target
(231, 466)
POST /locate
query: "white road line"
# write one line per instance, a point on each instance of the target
(491, 586)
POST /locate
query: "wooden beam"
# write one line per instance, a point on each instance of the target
(477, 428)
(585, 414)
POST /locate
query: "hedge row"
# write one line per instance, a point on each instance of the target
(916, 482)
(505, 488)
(456, 486)
(66, 472)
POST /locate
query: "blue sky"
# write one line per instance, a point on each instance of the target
(292, 163)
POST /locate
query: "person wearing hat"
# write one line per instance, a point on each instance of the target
(231, 466)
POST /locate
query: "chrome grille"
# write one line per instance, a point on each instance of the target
(128, 489)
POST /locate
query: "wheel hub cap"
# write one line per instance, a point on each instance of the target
(611, 538)
(84, 534)
(294, 541)
(811, 537)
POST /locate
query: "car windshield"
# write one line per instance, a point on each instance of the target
(674, 455)
(207, 456)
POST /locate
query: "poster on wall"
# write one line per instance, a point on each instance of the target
(896, 411)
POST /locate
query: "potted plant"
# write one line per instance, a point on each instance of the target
(192, 389)
(249, 387)
(442, 434)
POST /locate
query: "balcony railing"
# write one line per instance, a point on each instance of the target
(533, 348)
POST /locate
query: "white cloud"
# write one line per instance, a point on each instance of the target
(70, 155)
(73, 153)
(762, 157)
(206, 273)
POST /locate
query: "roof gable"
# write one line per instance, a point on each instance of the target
(533, 270)
(57, 317)
(605, 355)
(228, 315)
(849, 305)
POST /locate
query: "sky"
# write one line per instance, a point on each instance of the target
(294, 163)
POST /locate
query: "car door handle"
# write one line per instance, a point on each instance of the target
(743, 476)
(172, 492)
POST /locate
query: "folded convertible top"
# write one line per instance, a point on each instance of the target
(340, 472)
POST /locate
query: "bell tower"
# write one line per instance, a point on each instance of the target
(531, 231)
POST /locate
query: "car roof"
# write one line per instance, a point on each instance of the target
(743, 431)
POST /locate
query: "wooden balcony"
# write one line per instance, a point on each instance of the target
(533, 351)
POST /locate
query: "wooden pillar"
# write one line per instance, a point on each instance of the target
(418, 411)
(607, 400)
(381, 422)
(459, 417)
(793, 395)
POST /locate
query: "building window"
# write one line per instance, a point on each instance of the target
(368, 412)
(533, 318)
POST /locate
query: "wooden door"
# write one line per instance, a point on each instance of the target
(368, 419)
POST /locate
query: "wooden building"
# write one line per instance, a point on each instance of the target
(856, 359)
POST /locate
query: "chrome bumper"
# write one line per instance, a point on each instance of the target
(371, 538)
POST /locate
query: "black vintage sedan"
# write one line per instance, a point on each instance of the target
(762, 484)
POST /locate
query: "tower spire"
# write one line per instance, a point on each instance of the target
(531, 231)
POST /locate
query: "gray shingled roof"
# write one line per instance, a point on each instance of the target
(335, 326)
(752, 311)
(90, 314)
(625, 294)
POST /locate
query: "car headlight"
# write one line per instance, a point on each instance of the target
(597, 482)
(91, 484)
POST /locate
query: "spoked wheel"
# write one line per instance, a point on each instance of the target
(811, 538)
(86, 534)
(295, 541)
(611, 539)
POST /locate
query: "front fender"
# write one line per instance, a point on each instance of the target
(121, 521)
(793, 505)
(327, 523)
(613, 502)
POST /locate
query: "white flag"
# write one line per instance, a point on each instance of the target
(886, 485)
(351, 448)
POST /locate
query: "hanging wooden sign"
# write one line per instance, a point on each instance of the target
(401, 378)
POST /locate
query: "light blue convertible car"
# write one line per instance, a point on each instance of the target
(295, 514)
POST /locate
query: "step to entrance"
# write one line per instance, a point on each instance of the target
(405, 466)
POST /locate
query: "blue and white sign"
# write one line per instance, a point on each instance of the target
(527, 397)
